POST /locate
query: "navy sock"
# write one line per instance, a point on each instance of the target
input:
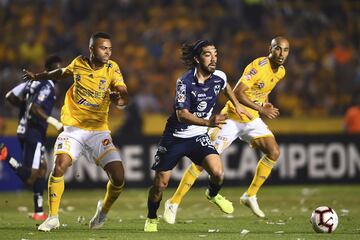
(152, 209)
(214, 189)
(38, 189)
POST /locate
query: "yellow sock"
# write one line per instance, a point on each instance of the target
(112, 193)
(55, 190)
(188, 179)
(263, 170)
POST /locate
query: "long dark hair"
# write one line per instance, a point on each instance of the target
(189, 51)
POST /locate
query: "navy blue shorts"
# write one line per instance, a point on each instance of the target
(33, 152)
(172, 149)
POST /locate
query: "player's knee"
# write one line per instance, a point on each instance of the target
(118, 180)
(274, 153)
(161, 186)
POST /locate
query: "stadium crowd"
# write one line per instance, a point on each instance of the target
(322, 71)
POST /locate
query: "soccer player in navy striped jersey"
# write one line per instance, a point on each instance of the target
(185, 133)
(35, 101)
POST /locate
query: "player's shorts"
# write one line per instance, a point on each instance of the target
(222, 138)
(33, 153)
(171, 149)
(95, 146)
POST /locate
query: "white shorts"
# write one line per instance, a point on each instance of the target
(222, 138)
(96, 146)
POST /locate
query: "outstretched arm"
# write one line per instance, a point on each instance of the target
(57, 74)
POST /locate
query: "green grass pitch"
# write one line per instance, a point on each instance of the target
(288, 209)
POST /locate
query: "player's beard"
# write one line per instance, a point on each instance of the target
(208, 69)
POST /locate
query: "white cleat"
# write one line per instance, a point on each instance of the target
(99, 218)
(251, 202)
(170, 212)
(52, 222)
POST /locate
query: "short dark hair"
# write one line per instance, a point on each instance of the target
(50, 61)
(189, 51)
(98, 35)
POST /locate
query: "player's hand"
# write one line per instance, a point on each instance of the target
(27, 75)
(217, 120)
(269, 111)
(115, 97)
(241, 110)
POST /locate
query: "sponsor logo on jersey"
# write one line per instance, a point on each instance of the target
(106, 142)
(202, 106)
(181, 92)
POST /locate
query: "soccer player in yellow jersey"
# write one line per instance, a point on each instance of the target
(97, 82)
(252, 90)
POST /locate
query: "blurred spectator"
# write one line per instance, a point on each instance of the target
(323, 68)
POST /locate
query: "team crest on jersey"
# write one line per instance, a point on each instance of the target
(102, 85)
(109, 65)
(77, 77)
(261, 85)
(217, 89)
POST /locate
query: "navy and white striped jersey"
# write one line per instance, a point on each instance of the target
(41, 93)
(198, 98)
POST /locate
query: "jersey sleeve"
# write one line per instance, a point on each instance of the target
(18, 90)
(250, 75)
(182, 98)
(117, 77)
(71, 66)
(223, 76)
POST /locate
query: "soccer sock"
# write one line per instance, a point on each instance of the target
(55, 190)
(188, 179)
(214, 188)
(112, 193)
(152, 209)
(263, 170)
(38, 189)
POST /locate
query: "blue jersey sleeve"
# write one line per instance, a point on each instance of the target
(182, 98)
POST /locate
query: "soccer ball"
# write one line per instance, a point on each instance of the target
(324, 220)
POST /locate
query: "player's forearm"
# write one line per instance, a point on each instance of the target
(14, 100)
(39, 112)
(57, 74)
(184, 116)
(231, 96)
(244, 100)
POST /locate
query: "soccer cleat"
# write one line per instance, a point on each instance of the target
(170, 212)
(50, 223)
(39, 217)
(151, 225)
(251, 202)
(225, 205)
(99, 218)
(3, 152)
